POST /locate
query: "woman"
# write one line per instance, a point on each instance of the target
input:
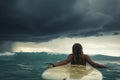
(78, 58)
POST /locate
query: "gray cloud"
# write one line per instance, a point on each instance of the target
(5, 46)
(43, 20)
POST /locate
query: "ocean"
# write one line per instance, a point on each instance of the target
(29, 66)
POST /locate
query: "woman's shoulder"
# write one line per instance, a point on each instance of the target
(86, 56)
(70, 54)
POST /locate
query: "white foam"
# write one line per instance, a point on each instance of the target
(7, 54)
(117, 78)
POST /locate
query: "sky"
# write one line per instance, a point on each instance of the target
(55, 25)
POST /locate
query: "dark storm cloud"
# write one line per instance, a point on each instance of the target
(24, 19)
(5, 46)
(43, 20)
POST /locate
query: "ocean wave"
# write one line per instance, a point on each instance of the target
(49, 57)
(117, 78)
(7, 54)
(29, 66)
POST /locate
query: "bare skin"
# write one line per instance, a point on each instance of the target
(69, 58)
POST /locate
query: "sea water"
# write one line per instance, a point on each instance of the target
(30, 66)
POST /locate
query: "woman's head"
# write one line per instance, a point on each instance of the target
(77, 48)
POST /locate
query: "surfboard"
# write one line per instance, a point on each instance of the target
(72, 72)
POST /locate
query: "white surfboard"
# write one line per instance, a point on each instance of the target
(72, 72)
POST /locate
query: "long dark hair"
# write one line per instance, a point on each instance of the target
(78, 57)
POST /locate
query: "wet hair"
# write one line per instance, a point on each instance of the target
(77, 48)
(78, 57)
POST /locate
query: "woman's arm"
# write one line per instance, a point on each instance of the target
(63, 62)
(96, 65)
